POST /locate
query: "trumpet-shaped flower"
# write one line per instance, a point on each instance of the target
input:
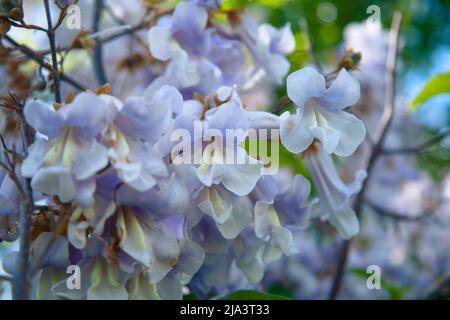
(268, 47)
(277, 209)
(226, 161)
(139, 124)
(320, 113)
(65, 163)
(334, 195)
(231, 213)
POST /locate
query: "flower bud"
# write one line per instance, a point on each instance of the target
(13, 8)
(4, 27)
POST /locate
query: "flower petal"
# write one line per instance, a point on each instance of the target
(263, 120)
(85, 192)
(352, 132)
(56, 181)
(189, 17)
(345, 91)
(241, 179)
(294, 129)
(211, 203)
(34, 159)
(91, 157)
(346, 222)
(90, 112)
(161, 43)
(43, 118)
(240, 218)
(304, 84)
(291, 205)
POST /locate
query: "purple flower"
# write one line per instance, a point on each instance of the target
(320, 113)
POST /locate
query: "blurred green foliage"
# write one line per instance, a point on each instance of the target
(438, 84)
(425, 23)
(254, 295)
(425, 27)
(436, 162)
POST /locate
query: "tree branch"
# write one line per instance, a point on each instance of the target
(395, 215)
(51, 40)
(35, 57)
(22, 281)
(420, 148)
(98, 48)
(386, 120)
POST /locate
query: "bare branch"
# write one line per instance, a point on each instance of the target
(420, 148)
(379, 137)
(35, 57)
(98, 48)
(62, 15)
(23, 25)
(395, 215)
(51, 40)
(22, 281)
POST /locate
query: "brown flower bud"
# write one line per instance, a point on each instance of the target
(16, 14)
(69, 97)
(5, 26)
(105, 89)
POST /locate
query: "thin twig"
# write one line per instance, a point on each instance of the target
(62, 15)
(98, 48)
(420, 148)
(22, 281)
(51, 40)
(129, 31)
(144, 23)
(13, 176)
(35, 57)
(10, 166)
(386, 120)
(395, 215)
(23, 25)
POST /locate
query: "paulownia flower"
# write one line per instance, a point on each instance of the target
(320, 113)
(65, 163)
(268, 47)
(334, 195)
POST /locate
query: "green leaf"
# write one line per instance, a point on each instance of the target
(190, 296)
(438, 84)
(232, 4)
(253, 295)
(282, 290)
